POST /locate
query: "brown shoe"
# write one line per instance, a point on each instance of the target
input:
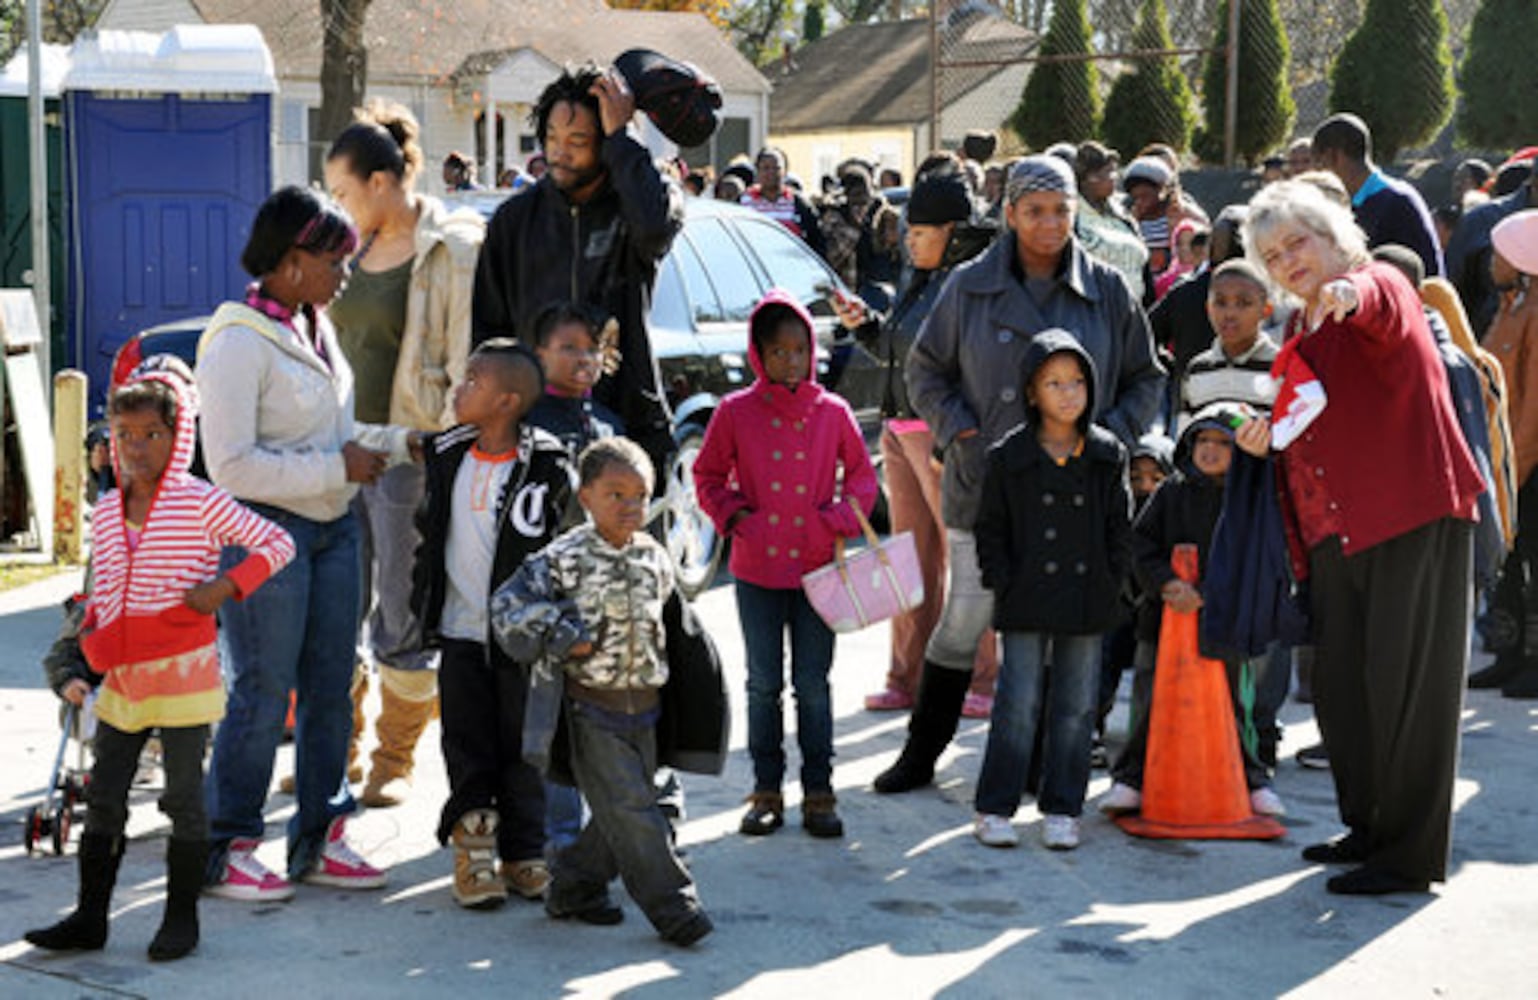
(476, 885)
(819, 817)
(528, 879)
(766, 814)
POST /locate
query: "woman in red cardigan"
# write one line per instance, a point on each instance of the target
(1378, 494)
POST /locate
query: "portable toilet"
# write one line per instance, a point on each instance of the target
(170, 148)
(16, 184)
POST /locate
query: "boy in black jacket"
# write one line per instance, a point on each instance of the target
(496, 491)
(1185, 510)
(1053, 545)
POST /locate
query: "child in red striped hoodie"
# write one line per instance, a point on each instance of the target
(149, 629)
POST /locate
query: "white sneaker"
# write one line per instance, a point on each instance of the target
(995, 831)
(1120, 799)
(1060, 833)
(1265, 802)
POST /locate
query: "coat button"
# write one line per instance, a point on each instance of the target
(776, 455)
(801, 456)
(1008, 395)
(775, 487)
(1080, 568)
(1078, 499)
(1048, 499)
(801, 488)
(773, 551)
(799, 521)
(795, 553)
(774, 519)
(1050, 568)
(1319, 471)
(799, 425)
(775, 422)
(1050, 534)
(1345, 539)
(1005, 336)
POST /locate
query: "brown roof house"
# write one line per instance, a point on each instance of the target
(469, 69)
(864, 90)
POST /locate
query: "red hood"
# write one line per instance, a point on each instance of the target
(780, 297)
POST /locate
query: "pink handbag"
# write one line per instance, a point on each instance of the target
(872, 585)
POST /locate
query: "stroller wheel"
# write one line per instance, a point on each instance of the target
(62, 818)
(33, 831)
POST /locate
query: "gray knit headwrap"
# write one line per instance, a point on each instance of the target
(1040, 173)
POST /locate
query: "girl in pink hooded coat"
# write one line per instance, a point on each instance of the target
(767, 475)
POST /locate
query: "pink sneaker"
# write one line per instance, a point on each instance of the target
(890, 700)
(977, 706)
(246, 878)
(339, 864)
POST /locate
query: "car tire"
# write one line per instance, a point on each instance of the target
(687, 531)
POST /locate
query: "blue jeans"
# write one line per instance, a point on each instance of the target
(297, 632)
(1068, 690)
(765, 614)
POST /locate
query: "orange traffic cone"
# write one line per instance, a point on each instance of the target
(1193, 786)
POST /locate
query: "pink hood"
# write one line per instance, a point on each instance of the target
(807, 392)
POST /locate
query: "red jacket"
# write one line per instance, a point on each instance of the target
(777, 453)
(1387, 447)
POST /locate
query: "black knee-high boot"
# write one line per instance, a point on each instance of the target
(930, 728)
(178, 932)
(86, 928)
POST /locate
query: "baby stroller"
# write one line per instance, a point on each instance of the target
(52, 821)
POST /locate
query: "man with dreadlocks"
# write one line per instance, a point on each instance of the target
(593, 230)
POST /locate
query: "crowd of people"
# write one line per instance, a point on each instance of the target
(455, 427)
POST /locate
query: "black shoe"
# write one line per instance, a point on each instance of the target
(1099, 758)
(690, 931)
(818, 817)
(1348, 850)
(178, 933)
(930, 729)
(599, 914)
(766, 814)
(1523, 686)
(1316, 757)
(1368, 881)
(86, 928)
(1506, 666)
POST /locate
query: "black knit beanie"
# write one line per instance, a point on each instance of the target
(939, 196)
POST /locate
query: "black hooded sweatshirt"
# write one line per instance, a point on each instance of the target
(1054, 540)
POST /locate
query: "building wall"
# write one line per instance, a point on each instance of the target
(813, 154)
(986, 106)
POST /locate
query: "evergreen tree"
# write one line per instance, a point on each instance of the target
(1152, 101)
(1396, 72)
(1061, 100)
(1500, 86)
(813, 24)
(1266, 110)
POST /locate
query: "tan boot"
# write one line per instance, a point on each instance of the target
(406, 704)
(476, 883)
(528, 879)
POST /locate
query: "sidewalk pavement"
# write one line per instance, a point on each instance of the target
(907, 905)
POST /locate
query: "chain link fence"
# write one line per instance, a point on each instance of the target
(978, 87)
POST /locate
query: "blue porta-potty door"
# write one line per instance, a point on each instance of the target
(166, 188)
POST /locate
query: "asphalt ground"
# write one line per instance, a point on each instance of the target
(908, 904)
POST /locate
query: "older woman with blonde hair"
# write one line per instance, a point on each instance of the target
(1379, 493)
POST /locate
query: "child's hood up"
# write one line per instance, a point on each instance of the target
(1058, 341)
(1219, 416)
(780, 297)
(173, 372)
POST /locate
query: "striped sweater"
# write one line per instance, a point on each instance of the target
(159, 656)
